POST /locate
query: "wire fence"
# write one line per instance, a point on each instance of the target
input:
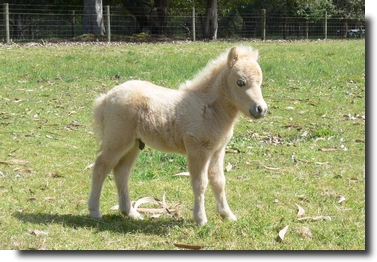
(64, 23)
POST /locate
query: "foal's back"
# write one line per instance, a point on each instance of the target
(156, 115)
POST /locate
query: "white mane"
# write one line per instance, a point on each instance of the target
(202, 78)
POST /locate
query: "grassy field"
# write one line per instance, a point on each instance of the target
(295, 179)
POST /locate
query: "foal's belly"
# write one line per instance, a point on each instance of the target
(162, 143)
(164, 136)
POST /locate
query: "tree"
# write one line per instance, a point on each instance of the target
(211, 23)
(280, 10)
(349, 10)
(161, 21)
(149, 14)
(25, 16)
(93, 17)
(140, 10)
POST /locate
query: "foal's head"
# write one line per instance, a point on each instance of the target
(244, 81)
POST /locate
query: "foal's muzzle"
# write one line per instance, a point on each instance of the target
(258, 110)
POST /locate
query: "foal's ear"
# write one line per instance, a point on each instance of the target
(232, 56)
(255, 55)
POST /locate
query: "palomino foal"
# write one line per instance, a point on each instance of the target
(195, 120)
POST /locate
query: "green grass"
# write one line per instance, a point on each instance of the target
(308, 151)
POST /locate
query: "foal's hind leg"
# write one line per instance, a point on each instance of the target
(102, 167)
(121, 173)
(113, 149)
(217, 181)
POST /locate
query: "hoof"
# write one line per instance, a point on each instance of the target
(133, 214)
(96, 214)
(229, 216)
(137, 217)
(201, 222)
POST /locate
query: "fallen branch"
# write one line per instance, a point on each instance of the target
(268, 167)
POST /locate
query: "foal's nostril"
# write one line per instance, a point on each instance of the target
(259, 109)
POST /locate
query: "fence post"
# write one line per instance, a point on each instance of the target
(108, 23)
(193, 24)
(306, 29)
(263, 24)
(6, 23)
(73, 22)
(325, 24)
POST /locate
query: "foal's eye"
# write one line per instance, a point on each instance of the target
(241, 83)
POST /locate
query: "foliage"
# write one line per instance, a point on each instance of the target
(295, 179)
(349, 9)
(152, 16)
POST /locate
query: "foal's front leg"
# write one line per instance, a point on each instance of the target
(217, 182)
(198, 165)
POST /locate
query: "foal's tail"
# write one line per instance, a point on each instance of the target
(98, 118)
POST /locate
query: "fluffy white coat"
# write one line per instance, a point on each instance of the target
(195, 120)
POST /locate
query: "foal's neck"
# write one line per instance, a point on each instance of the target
(212, 85)
(220, 100)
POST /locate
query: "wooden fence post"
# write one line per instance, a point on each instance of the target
(325, 24)
(6, 23)
(263, 24)
(193, 25)
(361, 31)
(73, 23)
(108, 23)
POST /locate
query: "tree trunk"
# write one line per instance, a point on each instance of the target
(93, 18)
(345, 28)
(141, 13)
(161, 7)
(17, 26)
(285, 28)
(211, 24)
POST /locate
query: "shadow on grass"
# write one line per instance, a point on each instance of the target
(114, 223)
